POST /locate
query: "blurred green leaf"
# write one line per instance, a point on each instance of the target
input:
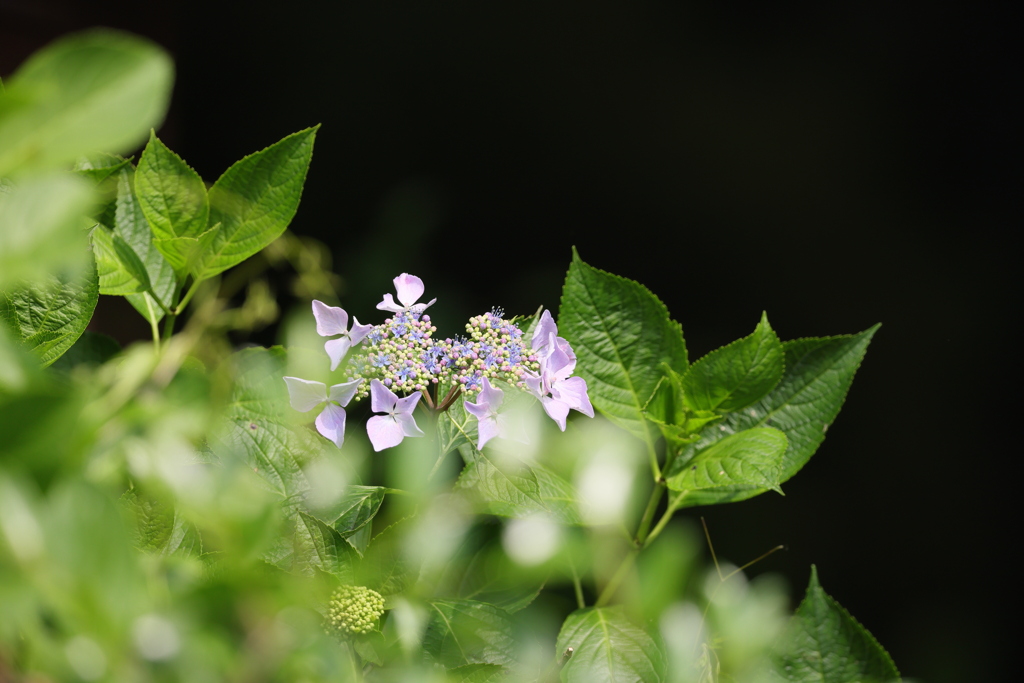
(41, 223)
(608, 647)
(385, 568)
(512, 488)
(824, 644)
(736, 375)
(158, 528)
(92, 349)
(98, 167)
(818, 375)
(119, 268)
(48, 317)
(477, 673)
(749, 459)
(325, 550)
(621, 334)
(98, 91)
(254, 201)
(131, 224)
(173, 199)
(464, 632)
(354, 512)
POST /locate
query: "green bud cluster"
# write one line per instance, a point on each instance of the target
(353, 609)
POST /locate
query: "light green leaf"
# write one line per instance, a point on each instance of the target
(805, 402)
(621, 334)
(749, 459)
(98, 91)
(99, 167)
(464, 632)
(132, 225)
(41, 227)
(477, 673)
(736, 375)
(608, 647)
(385, 568)
(512, 488)
(119, 269)
(824, 644)
(254, 201)
(156, 527)
(173, 199)
(50, 316)
(320, 546)
(354, 512)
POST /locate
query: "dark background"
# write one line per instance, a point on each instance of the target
(834, 164)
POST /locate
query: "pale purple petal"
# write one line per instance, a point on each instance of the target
(408, 424)
(486, 429)
(419, 308)
(490, 395)
(336, 350)
(409, 288)
(478, 410)
(535, 385)
(382, 399)
(573, 392)
(542, 333)
(558, 365)
(330, 320)
(404, 406)
(304, 394)
(331, 423)
(384, 432)
(343, 393)
(389, 305)
(358, 332)
(556, 410)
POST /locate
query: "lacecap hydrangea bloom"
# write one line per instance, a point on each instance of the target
(400, 365)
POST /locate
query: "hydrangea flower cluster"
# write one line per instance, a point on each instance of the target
(353, 609)
(401, 355)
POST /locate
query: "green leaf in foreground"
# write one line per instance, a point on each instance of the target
(805, 402)
(512, 488)
(254, 201)
(608, 647)
(173, 199)
(736, 375)
(99, 91)
(621, 334)
(750, 459)
(464, 632)
(50, 316)
(118, 266)
(91, 349)
(824, 644)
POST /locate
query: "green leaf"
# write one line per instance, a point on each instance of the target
(98, 91)
(384, 568)
(824, 644)
(354, 512)
(477, 673)
(119, 269)
(99, 167)
(132, 225)
(464, 632)
(736, 375)
(41, 223)
(157, 528)
(256, 425)
(50, 316)
(512, 488)
(751, 459)
(254, 201)
(805, 402)
(608, 647)
(621, 334)
(173, 198)
(320, 546)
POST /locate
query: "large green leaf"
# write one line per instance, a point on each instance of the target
(805, 402)
(736, 375)
(50, 316)
(131, 224)
(173, 199)
(824, 644)
(254, 201)
(462, 632)
(751, 459)
(621, 334)
(118, 266)
(41, 227)
(512, 488)
(606, 646)
(99, 91)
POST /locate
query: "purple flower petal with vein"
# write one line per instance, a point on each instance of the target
(557, 390)
(331, 320)
(410, 289)
(489, 423)
(388, 430)
(304, 395)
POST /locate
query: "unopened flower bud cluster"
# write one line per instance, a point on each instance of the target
(403, 355)
(353, 609)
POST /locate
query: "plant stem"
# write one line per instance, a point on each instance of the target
(188, 296)
(580, 602)
(613, 584)
(665, 518)
(645, 521)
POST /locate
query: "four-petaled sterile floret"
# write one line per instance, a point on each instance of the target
(353, 610)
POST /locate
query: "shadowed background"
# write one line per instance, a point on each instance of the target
(834, 165)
